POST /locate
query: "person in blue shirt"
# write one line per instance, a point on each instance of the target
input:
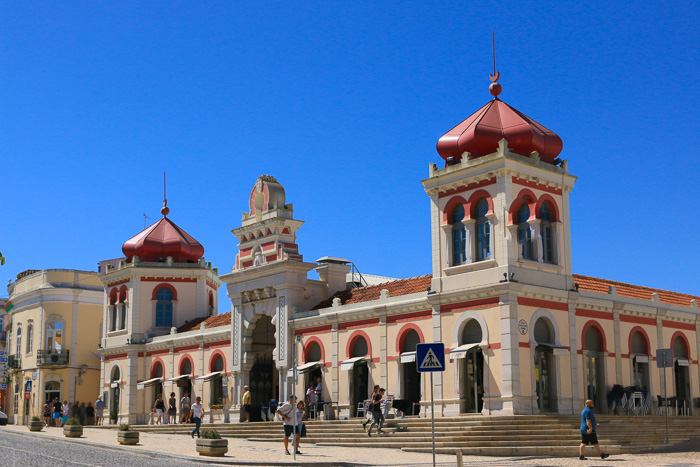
(588, 434)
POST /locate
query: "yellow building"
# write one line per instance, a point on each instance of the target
(46, 360)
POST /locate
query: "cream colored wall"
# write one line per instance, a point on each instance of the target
(185, 309)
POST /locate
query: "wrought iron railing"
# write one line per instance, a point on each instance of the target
(14, 362)
(52, 357)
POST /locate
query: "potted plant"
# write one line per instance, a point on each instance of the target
(113, 417)
(126, 436)
(35, 424)
(215, 410)
(73, 428)
(211, 444)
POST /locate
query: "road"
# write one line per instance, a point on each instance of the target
(26, 451)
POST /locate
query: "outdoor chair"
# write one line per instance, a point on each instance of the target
(362, 408)
(663, 403)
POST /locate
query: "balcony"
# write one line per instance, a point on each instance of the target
(14, 362)
(52, 358)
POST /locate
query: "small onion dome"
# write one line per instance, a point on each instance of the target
(161, 240)
(480, 133)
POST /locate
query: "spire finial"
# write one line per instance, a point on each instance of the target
(495, 88)
(164, 210)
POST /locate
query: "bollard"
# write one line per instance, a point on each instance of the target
(460, 463)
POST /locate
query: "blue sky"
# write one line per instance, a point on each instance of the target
(343, 102)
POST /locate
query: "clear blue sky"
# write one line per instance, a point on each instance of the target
(343, 102)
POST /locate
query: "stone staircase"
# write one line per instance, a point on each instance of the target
(520, 435)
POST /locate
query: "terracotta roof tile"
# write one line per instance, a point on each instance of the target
(224, 319)
(594, 284)
(371, 292)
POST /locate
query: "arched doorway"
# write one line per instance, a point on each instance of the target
(639, 351)
(184, 385)
(114, 391)
(263, 373)
(545, 382)
(157, 373)
(471, 370)
(359, 374)
(594, 376)
(410, 378)
(680, 370)
(313, 354)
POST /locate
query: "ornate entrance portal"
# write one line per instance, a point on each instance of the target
(263, 374)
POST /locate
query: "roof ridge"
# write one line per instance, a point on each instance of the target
(613, 282)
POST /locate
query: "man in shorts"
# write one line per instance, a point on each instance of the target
(588, 433)
(57, 409)
(246, 403)
(288, 414)
(99, 410)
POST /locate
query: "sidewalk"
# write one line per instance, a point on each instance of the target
(243, 452)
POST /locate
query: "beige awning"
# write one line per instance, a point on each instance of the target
(641, 358)
(408, 357)
(350, 363)
(210, 376)
(149, 383)
(461, 351)
(305, 368)
(178, 378)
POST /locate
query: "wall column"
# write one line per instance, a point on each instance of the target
(512, 401)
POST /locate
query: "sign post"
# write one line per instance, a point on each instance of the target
(664, 359)
(431, 358)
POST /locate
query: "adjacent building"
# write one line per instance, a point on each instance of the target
(53, 330)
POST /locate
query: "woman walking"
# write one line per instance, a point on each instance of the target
(159, 407)
(47, 415)
(172, 409)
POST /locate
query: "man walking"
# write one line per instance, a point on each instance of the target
(377, 415)
(246, 403)
(196, 415)
(588, 431)
(99, 410)
(288, 414)
(185, 408)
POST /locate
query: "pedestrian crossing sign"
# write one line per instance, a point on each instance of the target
(430, 357)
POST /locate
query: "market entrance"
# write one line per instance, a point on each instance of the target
(263, 374)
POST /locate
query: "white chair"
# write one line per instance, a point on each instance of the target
(362, 408)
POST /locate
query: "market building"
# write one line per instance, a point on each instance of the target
(523, 334)
(49, 310)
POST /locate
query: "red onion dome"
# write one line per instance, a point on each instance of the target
(480, 133)
(161, 240)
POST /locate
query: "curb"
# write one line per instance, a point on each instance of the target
(198, 460)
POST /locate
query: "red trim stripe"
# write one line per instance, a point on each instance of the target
(470, 305)
(525, 301)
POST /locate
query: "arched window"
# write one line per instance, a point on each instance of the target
(186, 367)
(122, 312)
(471, 334)
(410, 341)
(217, 364)
(483, 230)
(592, 339)
(54, 335)
(112, 314)
(459, 233)
(18, 341)
(30, 337)
(359, 347)
(116, 375)
(679, 350)
(543, 331)
(314, 353)
(524, 232)
(547, 232)
(211, 304)
(164, 307)
(639, 344)
(157, 371)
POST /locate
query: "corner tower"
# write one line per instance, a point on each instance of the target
(500, 206)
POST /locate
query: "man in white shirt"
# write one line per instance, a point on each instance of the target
(196, 414)
(287, 412)
(311, 397)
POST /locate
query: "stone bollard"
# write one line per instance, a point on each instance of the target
(460, 463)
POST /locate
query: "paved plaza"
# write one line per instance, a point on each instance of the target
(99, 447)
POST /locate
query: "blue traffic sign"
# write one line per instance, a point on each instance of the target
(430, 357)
(3, 386)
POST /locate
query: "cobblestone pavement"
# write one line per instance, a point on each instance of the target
(99, 447)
